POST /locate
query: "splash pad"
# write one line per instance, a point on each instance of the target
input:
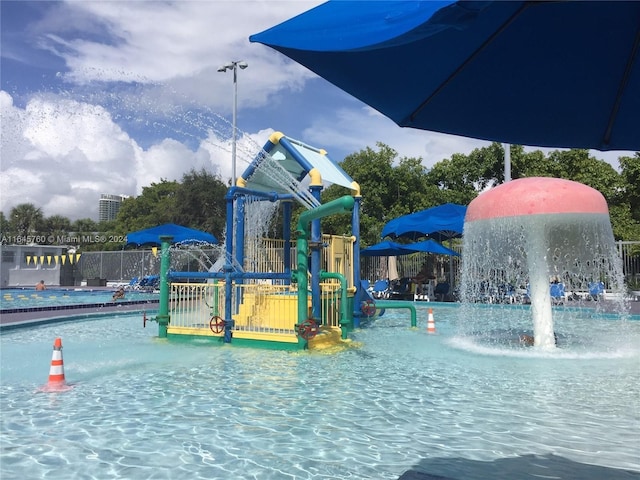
(549, 239)
(261, 295)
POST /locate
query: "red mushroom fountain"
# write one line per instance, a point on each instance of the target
(531, 231)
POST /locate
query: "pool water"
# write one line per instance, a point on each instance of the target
(398, 400)
(13, 298)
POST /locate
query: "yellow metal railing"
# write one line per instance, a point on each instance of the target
(193, 304)
(257, 307)
(268, 255)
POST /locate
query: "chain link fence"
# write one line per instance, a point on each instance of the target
(124, 265)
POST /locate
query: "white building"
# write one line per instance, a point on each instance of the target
(26, 265)
(109, 206)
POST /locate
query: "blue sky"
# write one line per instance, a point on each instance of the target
(108, 97)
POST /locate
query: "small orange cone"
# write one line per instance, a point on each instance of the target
(56, 372)
(431, 323)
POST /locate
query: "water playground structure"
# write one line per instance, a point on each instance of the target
(276, 293)
(306, 292)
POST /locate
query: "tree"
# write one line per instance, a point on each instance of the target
(462, 177)
(373, 171)
(579, 166)
(200, 202)
(5, 227)
(156, 205)
(25, 219)
(630, 173)
(84, 225)
(625, 216)
(55, 227)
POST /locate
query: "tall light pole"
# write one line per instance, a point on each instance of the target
(234, 66)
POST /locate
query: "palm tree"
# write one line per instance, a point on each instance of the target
(25, 219)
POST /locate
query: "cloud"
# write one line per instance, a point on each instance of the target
(178, 45)
(355, 129)
(61, 154)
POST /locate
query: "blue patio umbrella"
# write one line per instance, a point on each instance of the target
(180, 234)
(548, 73)
(431, 246)
(392, 249)
(384, 249)
(441, 222)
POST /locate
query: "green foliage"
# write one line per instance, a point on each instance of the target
(156, 205)
(84, 225)
(383, 187)
(625, 226)
(200, 202)
(630, 173)
(25, 219)
(4, 224)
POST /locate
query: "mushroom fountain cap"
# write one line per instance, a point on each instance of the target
(536, 195)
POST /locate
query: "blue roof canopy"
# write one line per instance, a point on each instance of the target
(388, 248)
(441, 222)
(180, 234)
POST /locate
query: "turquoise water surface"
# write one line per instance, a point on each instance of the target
(397, 400)
(13, 298)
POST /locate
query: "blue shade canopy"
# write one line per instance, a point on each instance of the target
(549, 73)
(384, 249)
(431, 246)
(392, 249)
(184, 235)
(441, 222)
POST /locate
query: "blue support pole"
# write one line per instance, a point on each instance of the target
(239, 228)
(228, 266)
(286, 235)
(355, 228)
(316, 239)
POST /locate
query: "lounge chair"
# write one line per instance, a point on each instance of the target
(596, 290)
(134, 284)
(557, 293)
(381, 289)
(150, 282)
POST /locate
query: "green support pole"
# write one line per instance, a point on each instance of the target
(396, 304)
(339, 205)
(163, 306)
(345, 323)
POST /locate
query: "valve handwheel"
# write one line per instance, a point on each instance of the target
(308, 329)
(216, 324)
(369, 308)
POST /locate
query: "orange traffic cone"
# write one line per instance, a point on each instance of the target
(431, 323)
(56, 372)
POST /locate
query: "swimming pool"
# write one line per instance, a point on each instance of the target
(398, 400)
(14, 298)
